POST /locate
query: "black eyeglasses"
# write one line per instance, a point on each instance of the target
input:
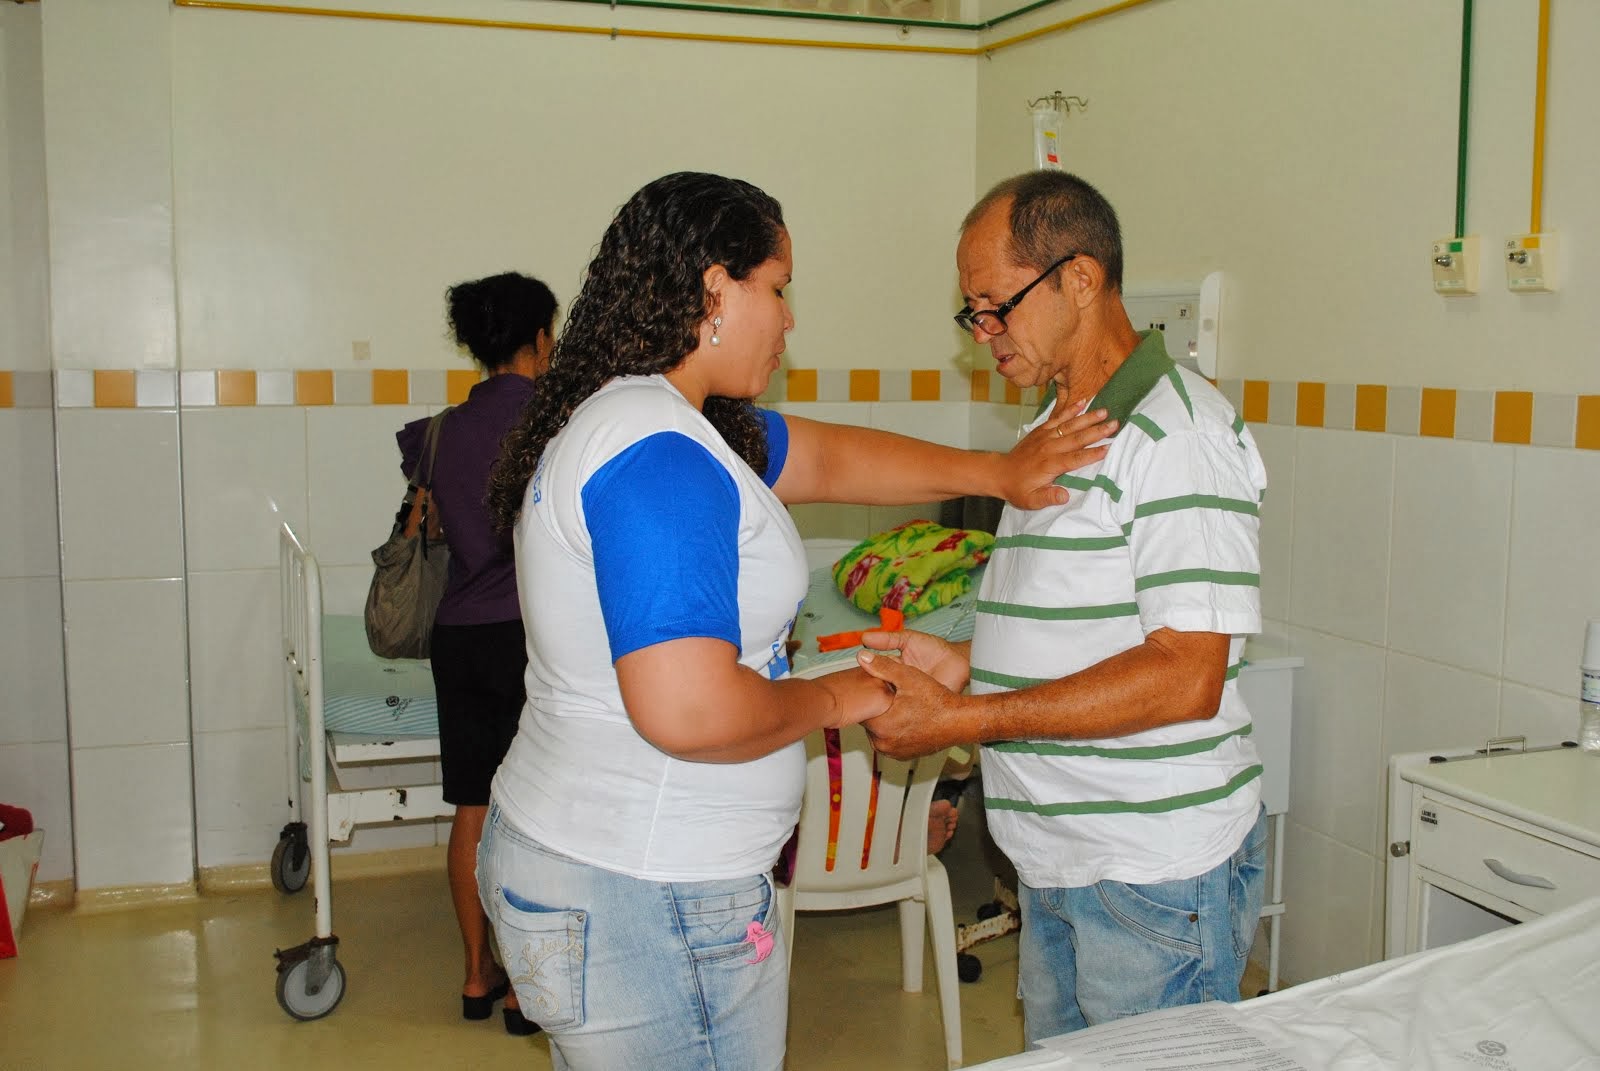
(993, 321)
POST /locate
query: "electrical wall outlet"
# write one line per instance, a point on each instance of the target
(1455, 266)
(1531, 263)
(361, 350)
(1175, 313)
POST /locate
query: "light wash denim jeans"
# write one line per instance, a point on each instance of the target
(625, 973)
(1110, 950)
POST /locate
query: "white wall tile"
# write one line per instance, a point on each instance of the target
(857, 414)
(155, 388)
(126, 677)
(74, 388)
(1282, 402)
(1404, 416)
(133, 816)
(1277, 446)
(994, 426)
(1434, 707)
(430, 386)
(883, 518)
(241, 795)
(946, 423)
(1475, 415)
(32, 390)
(244, 473)
(1341, 527)
(1329, 890)
(1452, 517)
(1554, 418)
(236, 668)
(1379, 899)
(1555, 565)
(29, 545)
(354, 483)
(33, 698)
(833, 385)
(275, 387)
(1338, 406)
(352, 388)
(894, 385)
(197, 388)
(1542, 717)
(120, 513)
(824, 519)
(35, 777)
(1336, 765)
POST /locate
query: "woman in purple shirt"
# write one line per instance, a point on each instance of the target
(507, 323)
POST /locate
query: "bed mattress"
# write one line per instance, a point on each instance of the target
(365, 694)
(1519, 999)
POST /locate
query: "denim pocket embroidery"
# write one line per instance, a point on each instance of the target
(544, 953)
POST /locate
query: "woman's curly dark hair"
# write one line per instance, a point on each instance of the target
(639, 312)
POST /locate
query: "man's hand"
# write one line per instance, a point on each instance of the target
(939, 658)
(925, 716)
(1061, 444)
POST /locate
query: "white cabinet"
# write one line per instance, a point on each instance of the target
(1484, 841)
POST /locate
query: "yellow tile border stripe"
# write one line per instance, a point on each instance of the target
(1513, 416)
(1516, 415)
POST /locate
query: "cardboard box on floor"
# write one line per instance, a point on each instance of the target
(19, 860)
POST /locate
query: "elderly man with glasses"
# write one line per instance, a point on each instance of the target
(1119, 774)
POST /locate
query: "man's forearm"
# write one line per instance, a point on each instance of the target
(1172, 677)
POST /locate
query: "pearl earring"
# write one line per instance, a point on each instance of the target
(716, 325)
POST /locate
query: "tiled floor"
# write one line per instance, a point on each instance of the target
(191, 986)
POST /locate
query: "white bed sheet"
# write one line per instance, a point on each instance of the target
(1526, 998)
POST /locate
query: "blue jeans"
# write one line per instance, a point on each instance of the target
(1112, 949)
(625, 973)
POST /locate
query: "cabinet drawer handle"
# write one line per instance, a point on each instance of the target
(1502, 871)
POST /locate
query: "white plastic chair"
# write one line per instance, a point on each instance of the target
(880, 856)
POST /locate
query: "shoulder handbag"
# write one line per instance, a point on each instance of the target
(409, 570)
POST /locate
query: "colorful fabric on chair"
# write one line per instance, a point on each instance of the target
(917, 567)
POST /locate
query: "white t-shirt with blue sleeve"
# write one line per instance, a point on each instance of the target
(641, 525)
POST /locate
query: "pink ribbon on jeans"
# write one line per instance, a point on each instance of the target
(758, 935)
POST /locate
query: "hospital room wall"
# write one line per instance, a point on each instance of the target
(1429, 531)
(33, 721)
(236, 199)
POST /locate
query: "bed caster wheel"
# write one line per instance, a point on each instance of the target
(291, 859)
(296, 998)
(990, 910)
(310, 979)
(969, 968)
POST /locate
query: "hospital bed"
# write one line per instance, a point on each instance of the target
(345, 709)
(1517, 999)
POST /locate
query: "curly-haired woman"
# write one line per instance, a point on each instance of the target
(658, 767)
(507, 323)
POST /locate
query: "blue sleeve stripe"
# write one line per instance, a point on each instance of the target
(663, 519)
(777, 445)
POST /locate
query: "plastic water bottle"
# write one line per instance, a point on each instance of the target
(1589, 696)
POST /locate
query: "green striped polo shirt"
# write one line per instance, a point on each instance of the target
(1161, 533)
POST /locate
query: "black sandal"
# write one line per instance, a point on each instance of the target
(517, 1024)
(483, 1007)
